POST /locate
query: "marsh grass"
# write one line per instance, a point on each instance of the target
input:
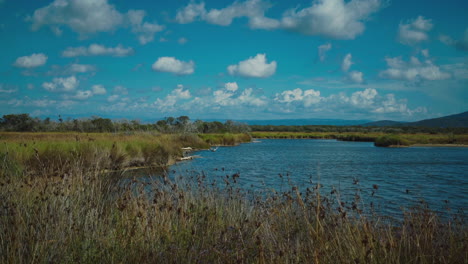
(88, 216)
(65, 208)
(54, 154)
(381, 139)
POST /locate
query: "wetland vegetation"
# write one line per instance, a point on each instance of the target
(65, 199)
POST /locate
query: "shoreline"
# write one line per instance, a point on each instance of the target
(441, 145)
(391, 146)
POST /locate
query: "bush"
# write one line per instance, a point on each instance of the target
(155, 155)
(391, 140)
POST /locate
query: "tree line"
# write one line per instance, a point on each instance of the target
(181, 124)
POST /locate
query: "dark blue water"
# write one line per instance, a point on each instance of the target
(391, 178)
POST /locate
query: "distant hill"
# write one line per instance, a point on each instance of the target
(382, 123)
(304, 122)
(457, 120)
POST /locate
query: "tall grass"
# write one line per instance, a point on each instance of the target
(52, 154)
(90, 217)
(61, 203)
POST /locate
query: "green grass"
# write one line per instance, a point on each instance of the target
(226, 139)
(51, 154)
(381, 139)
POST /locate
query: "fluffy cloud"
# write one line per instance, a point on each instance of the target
(169, 102)
(190, 13)
(173, 65)
(331, 18)
(322, 51)
(84, 17)
(32, 61)
(461, 44)
(307, 97)
(61, 84)
(355, 77)
(82, 95)
(231, 96)
(363, 98)
(346, 64)
(232, 100)
(413, 70)
(364, 101)
(254, 10)
(97, 50)
(98, 89)
(145, 30)
(93, 16)
(248, 98)
(415, 31)
(256, 67)
(231, 86)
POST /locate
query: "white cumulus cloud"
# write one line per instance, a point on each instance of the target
(415, 31)
(82, 95)
(98, 89)
(169, 102)
(61, 84)
(231, 86)
(307, 97)
(190, 13)
(97, 50)
(355, 77)
(256, 67)
(413, 70)
(173, 65)
(93, 16)
(363, 98)
(331, 18)
(32, 61)
(84, 17)
(254, 10)
(144, 30)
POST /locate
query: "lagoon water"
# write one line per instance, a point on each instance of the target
(402, 176)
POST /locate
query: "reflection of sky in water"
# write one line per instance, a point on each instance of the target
(404, 176)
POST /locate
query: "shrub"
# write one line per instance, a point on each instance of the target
(391, 140)
(155, 155)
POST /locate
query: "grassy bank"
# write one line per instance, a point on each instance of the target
(52, 154)
(89, 217)
(60, 204)
(380, 139)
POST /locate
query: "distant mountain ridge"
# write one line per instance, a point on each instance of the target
(456, 120)
(304, 122)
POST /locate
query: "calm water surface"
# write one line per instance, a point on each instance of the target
(404, 176)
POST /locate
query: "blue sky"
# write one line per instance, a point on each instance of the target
(248, 59)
